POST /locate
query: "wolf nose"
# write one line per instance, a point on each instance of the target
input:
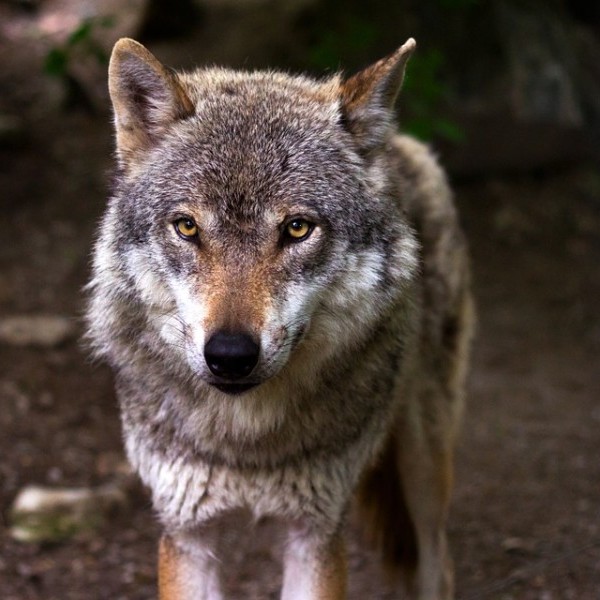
(231, 355)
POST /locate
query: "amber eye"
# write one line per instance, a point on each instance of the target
(186, 228)
(298, 229)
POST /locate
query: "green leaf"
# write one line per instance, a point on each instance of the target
(449, 130)
(56, 62)
(81, 33)
(419, 128)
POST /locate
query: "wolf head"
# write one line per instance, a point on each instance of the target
(253, 214)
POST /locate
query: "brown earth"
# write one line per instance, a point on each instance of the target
(525, 522)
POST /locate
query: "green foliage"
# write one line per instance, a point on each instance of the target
(81, 39)
(56, 62)
(353, 32)
(354, 36)
(423, 94)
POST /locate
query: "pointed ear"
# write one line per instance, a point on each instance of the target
(368, 97)
(146, 97)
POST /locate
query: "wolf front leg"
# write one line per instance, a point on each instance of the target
(314, 568)
(427, 471)
(403, 502)
(434, 578)
(188, 568)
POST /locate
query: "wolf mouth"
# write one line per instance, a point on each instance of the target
(234, 389)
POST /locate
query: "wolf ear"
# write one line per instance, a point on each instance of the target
(146, 98)
(368, 97)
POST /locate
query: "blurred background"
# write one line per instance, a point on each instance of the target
(506, 92)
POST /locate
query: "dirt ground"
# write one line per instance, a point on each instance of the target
(525, 520)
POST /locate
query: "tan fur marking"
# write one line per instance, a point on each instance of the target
(169, 576)
(238, 301)
(332, 580)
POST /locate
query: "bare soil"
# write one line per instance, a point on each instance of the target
(525, 518)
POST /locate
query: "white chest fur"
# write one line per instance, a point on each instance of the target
(187, 494)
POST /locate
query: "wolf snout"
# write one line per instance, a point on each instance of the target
(231, 356)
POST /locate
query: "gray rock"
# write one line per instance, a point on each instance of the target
(46, 331)
(542, 65)
(41, 514)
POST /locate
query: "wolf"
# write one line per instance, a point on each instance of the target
(282, 288)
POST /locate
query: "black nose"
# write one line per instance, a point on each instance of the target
(231, 355)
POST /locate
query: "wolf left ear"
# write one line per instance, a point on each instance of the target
(368, 98)
(146, 97)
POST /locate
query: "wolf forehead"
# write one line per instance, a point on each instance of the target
(269, 98)
(255, 119)
(255, 139)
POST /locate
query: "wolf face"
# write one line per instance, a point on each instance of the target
(249, 207)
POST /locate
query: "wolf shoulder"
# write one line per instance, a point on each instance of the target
(425, 197)
(422, 184)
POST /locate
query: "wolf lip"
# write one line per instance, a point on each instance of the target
(234, 389)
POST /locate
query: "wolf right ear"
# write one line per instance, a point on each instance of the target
(146, 98)
(368, 98)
